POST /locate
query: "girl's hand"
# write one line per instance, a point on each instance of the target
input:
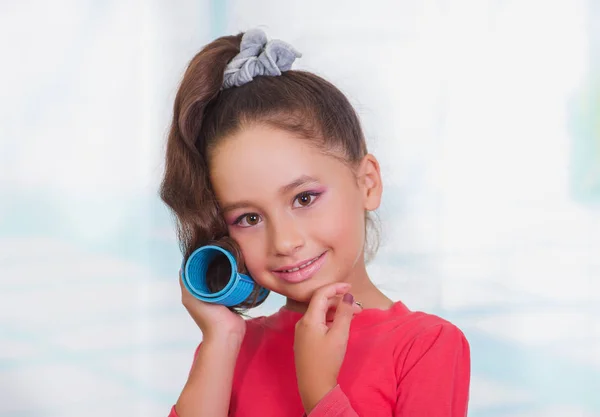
(214, 320)
(319, 347)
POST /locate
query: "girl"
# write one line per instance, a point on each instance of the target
(272, 164)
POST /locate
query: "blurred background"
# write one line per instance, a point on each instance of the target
(485, 115)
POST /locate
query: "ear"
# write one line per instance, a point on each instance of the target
(369, 181)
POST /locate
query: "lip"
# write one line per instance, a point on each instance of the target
(302, 274)
(297, 265)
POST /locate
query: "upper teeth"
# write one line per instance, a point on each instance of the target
(301, 266)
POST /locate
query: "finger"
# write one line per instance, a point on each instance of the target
(331, 308)
(319, 303)
(343, 317)
(334, 301)
(332, 305)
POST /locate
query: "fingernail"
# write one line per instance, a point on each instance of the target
(348, 298)
(358, 303)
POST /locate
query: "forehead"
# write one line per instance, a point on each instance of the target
(262, 159)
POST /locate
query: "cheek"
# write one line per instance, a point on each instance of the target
(251, 246)
(342, 224)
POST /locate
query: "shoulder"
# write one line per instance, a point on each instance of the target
(405, 326)
(427, 326)
(401, 330)
(263, 330)
(432, 366)
(431, 329)
(256, 328)
(417, 327)
(409, 333)
(430, 341)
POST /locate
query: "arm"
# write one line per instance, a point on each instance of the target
(319, 351)
(435, 375)
(208, 388)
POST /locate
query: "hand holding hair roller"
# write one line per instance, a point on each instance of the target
(237, 290)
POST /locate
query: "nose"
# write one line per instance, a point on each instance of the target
(286, 236)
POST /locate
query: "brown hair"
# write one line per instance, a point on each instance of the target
(296, 101)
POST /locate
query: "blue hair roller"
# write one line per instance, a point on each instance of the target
(238, 288)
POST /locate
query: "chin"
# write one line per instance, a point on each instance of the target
(304, 293)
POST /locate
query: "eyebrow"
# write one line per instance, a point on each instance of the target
(304, 179)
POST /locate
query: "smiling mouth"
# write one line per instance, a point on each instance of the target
(302, 271)
(298, 268)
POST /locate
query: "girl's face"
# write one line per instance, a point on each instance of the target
(297, 214)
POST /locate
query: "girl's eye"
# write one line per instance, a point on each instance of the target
(248, 220)
(305, 199)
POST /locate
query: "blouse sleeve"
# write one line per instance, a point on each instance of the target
(334, 404)
(434, 376)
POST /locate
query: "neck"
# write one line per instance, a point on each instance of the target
(363, 291)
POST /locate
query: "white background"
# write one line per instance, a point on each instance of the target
(483, 113)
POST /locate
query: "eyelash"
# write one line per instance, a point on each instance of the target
(313, 194)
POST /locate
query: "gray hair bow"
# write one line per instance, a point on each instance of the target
(258, 57)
